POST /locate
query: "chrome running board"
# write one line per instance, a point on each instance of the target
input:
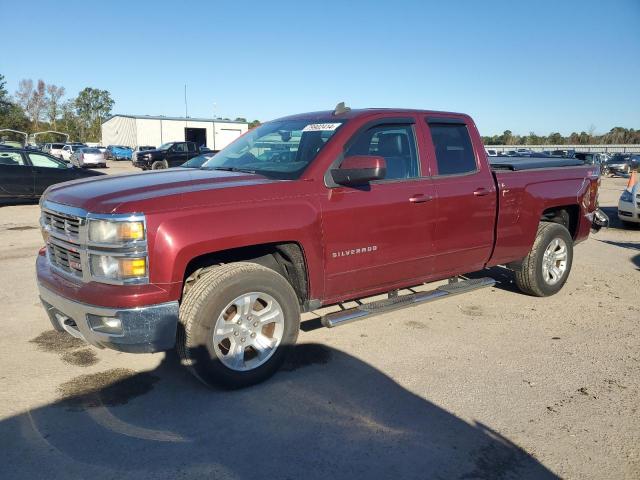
(401, 301)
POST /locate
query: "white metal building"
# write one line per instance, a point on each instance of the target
(136, 130)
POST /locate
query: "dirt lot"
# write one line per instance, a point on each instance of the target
(493, 384)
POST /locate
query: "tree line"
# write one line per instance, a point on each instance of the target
(38, 106)
(617, 135)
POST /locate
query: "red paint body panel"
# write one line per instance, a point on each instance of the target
(356, 241)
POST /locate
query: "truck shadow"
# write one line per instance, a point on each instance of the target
(341, 419)
(614, 221)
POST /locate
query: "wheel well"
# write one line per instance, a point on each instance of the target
(285, 258)
(566, 215)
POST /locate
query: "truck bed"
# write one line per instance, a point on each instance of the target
(531, 163)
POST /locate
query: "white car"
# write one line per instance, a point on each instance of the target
(629, 205)
(491, 152)
(88, 157)
(54, 149)
(68, 150)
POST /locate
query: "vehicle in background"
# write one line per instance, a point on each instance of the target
(118, 152)
(171, 154)
(197, 162)
(54, 149)
(139, 149)
(88, 157)
(629, 206)
(591, 158)
(563, 153)
(26, 174)
(68, 150)
(491, 152)
(303, 212)
(102, 149)
(622, 163)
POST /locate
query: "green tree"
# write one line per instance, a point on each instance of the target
(11, 115)
(254, 124)
(92, 107)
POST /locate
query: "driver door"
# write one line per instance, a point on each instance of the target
(16, 177)
(380, 235)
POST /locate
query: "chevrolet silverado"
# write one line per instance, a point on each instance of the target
(302, 212)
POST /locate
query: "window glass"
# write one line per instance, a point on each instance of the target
(39, 160)
(181, 147)
(454, 153)
(192, 147)
(395, 143)
(11, 158)
(280, 149)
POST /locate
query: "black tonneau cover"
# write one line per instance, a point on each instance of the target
(530, 163)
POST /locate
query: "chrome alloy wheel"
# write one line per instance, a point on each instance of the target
(248, 331)
(554, 261)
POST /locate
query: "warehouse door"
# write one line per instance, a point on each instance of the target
(197, 135)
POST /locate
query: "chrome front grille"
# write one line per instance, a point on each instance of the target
(66, 258)
(68, 225)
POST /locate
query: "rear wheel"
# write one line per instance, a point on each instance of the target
(237, 323)
(159, 165)
(546, 268)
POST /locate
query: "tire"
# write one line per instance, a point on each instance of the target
(210, 308)
(533, 277)
(159, 165)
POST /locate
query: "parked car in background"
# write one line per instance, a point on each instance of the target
(88, 157)
(491, 152)
(629, 206)
(140, 148)
(623, 163)
(590, 158)
(171, 154)
(26, 174)
(54, 149)
(118, 152)
(102, 149)
(197, 162)
(69, 149)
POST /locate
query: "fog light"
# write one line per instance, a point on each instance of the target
(102, 324)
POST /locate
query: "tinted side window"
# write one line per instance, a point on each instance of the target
(454, 153)
(181, 147)
(395, 143)
(192, 147)
(11, 158)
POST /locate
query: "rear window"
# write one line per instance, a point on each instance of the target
(90, 150)
(452, 144)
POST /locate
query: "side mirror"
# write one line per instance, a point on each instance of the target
(360, 170)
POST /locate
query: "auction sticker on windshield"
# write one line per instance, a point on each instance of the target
(321, 127)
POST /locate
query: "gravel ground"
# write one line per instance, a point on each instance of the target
(492, 384)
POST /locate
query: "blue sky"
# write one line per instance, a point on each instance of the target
(537, 66)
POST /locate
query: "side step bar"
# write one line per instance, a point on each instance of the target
(396, 302)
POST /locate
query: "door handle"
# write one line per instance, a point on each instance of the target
(420, 198)
(481, 192)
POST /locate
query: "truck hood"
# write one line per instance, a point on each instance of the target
(146, 191)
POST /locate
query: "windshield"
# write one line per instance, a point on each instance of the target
(165, 146)
(196, 162)
(280, 149)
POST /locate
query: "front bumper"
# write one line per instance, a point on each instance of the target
(150, 328)
(629, 212)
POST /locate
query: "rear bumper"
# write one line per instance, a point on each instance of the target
(150, 328)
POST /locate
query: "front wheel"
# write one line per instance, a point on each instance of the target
(546, 268)
(159, 165)
(237, 323)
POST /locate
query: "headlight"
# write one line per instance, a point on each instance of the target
(118, 268)
(626, 196)
(116, 232)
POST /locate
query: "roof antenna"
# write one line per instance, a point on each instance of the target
(341, 108)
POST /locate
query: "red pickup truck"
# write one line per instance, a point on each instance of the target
(302, 212)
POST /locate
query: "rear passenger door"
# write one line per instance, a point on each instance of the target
(16, 177)
(466, 195)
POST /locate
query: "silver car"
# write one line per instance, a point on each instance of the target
(88, 157)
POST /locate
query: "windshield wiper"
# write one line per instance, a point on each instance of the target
(233, 169)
